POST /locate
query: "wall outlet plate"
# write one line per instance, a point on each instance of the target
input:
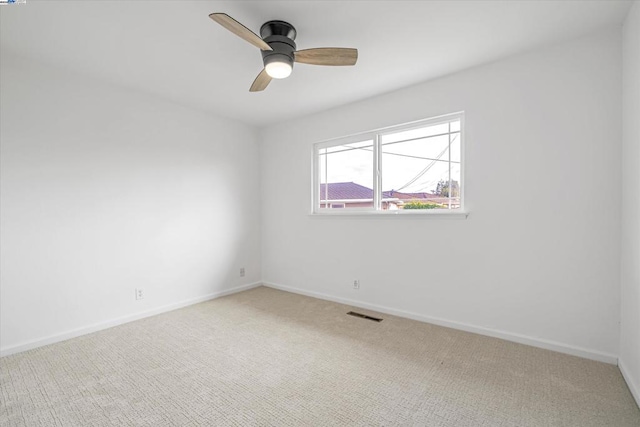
(139, 293)
(356, 284)
(241, 271)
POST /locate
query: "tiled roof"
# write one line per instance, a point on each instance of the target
(345, 191)
(409, 196)
(352, 191)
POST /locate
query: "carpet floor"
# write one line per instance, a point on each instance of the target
(270, 358)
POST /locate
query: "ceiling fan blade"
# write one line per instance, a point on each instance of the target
(327, 56)
(239, 30)
(261, 82)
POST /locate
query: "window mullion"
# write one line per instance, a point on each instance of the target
(450, 184)
(377, 184)
(326, 178)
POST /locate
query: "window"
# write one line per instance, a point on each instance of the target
(416, 167)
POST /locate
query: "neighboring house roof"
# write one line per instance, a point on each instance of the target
(352, 191)
(408, 196)
(345, 191)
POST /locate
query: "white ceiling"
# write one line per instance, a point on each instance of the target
(172, 49)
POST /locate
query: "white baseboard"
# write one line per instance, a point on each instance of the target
(633, 386)
(509, 336)
(522, 339)
(119, 321)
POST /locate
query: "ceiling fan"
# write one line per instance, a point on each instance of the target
(279, 49)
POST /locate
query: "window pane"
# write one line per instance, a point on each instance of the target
(415, 170)
(420, 168)
(434, 148)
(455, 147)
(455, 186)
(346, 176)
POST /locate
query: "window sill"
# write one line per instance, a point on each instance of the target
(395, 214)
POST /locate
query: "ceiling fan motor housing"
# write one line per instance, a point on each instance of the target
(279, 35)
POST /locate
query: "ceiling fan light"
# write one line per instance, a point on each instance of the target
(278, 70)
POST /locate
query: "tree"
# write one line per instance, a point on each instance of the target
(442, 189)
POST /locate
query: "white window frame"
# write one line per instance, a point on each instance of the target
(375, 137)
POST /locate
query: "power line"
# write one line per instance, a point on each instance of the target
(429, 166)
(392, 154)
(423, 171)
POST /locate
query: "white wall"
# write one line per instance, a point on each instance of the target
(105, 190)
(538, 258)
(630, 296)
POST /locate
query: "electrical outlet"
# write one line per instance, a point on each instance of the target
(241, 271)
(139, 293)
(356, 284)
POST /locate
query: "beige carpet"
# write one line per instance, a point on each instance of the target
(271, 358)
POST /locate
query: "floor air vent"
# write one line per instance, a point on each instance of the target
(364, 316)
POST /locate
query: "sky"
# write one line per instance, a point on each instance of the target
(412, 161)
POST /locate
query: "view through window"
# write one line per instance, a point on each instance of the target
(409, 167)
